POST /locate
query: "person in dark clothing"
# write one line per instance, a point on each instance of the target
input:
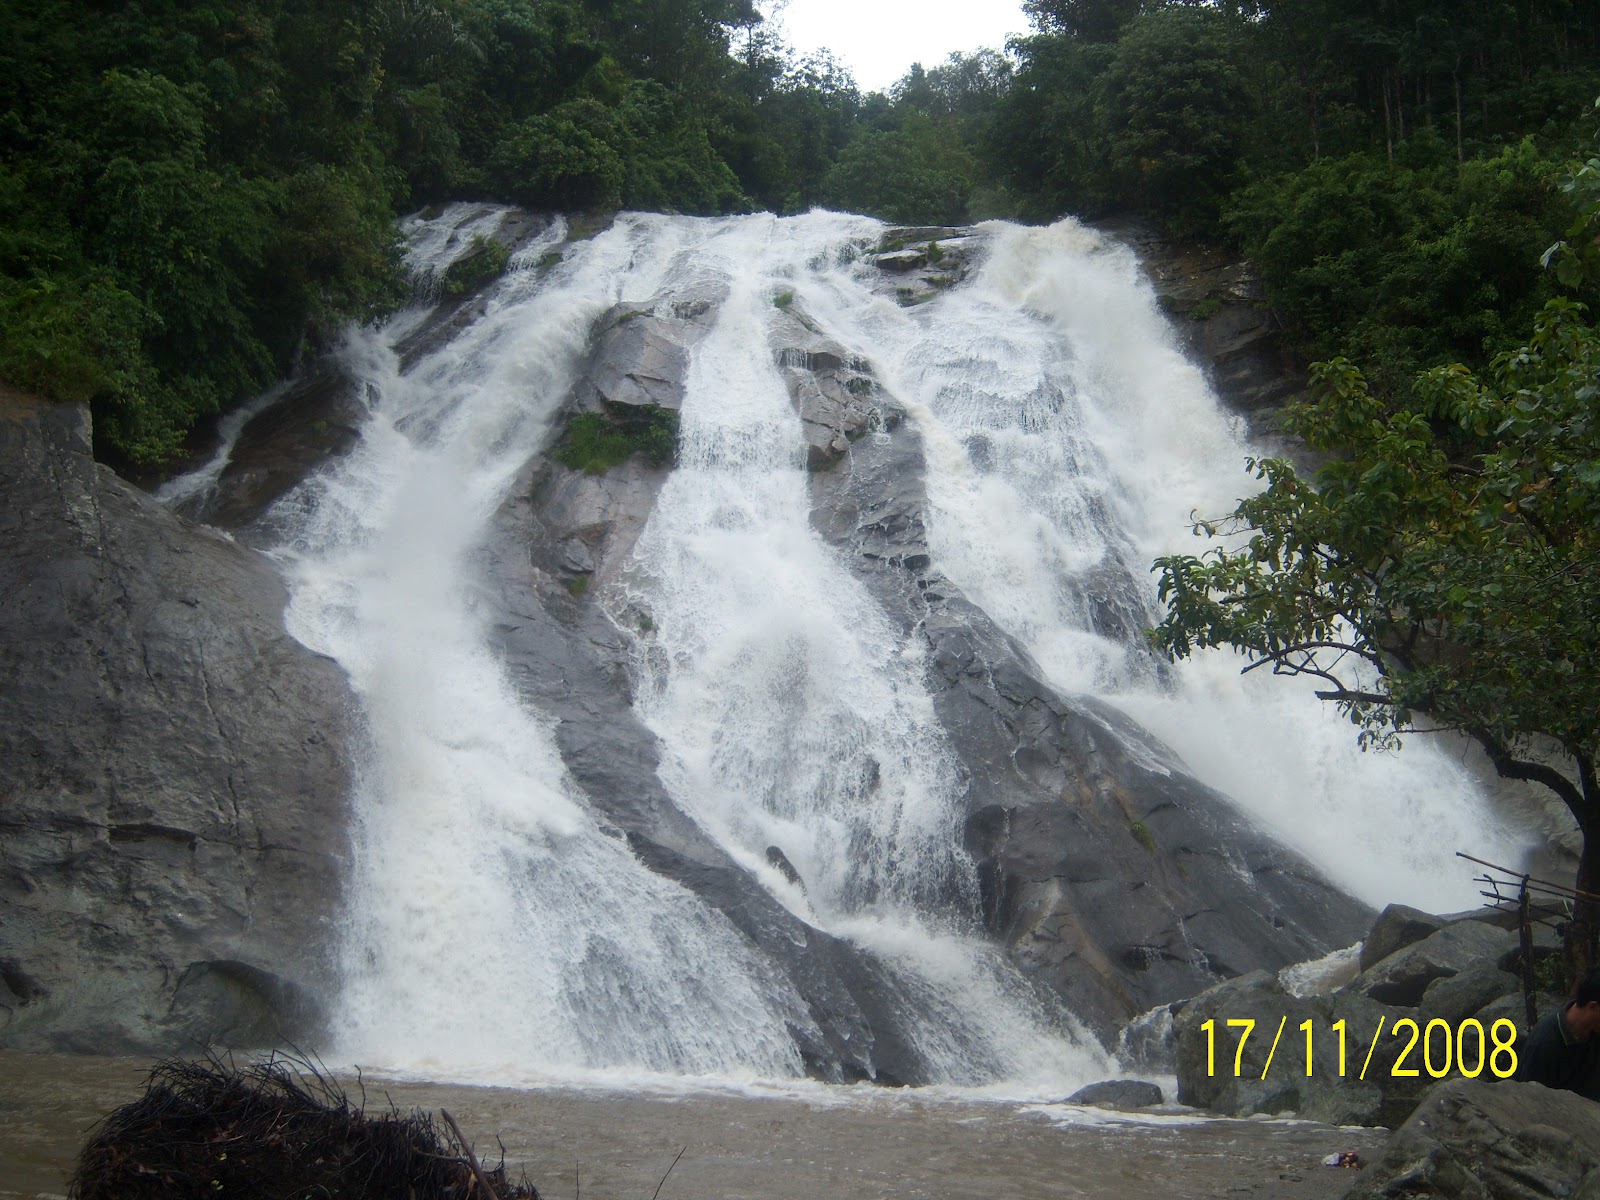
(1564, 1049)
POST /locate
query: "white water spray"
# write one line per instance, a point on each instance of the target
(498, 923)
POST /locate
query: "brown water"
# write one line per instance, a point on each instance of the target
(862, 1142)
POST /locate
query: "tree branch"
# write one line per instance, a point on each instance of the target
(1277, 658)
(1509, 767)
(1346, 696)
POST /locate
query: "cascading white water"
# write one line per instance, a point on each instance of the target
(1069, 440)
(792, 712)
(498, 923)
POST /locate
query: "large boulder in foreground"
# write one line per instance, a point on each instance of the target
(1476, 1140)
(1453, 970)
(172, 793)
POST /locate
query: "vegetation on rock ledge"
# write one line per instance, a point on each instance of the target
(596, 442)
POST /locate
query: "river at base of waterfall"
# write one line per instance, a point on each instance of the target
(803, 1140)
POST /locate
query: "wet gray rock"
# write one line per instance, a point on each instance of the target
(919, 263)
(1124, 1094)
(1397, 926)
(834, 392)
(1210, 1076)
(1480, 1140)
(1109, 874)
(901, 260)
(639, 359)
(1513, 1007)
(172, 778)
(1454, 998)
(1404, 976)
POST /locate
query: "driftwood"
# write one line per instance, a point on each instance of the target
(274, 1130)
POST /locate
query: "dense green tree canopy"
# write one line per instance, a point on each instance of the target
(198, 192)
(1442, 570)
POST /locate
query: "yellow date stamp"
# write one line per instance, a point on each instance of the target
(1437, 1047)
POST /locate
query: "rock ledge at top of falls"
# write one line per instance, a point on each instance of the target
(172, 769)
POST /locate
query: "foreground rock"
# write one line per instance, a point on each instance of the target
(1455, 969)
(1475, 1140)
(172, 785)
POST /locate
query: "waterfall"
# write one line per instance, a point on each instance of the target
(500, 922)
(1069, 442)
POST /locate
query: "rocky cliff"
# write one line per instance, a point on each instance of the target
(172, 768)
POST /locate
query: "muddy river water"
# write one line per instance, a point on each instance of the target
(614, 1143)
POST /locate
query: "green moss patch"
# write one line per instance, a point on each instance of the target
(596, 442)
(484, 262)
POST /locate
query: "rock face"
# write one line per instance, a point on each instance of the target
(172, 781)
(1476, 1140)
(1106, 871)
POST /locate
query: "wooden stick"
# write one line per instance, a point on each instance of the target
(472, 1159)
(1515, 875)
(664, 1177)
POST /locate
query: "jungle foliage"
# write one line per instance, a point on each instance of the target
(1442, 570)
(198, 192)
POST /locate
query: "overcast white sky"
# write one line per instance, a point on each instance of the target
(880, 39)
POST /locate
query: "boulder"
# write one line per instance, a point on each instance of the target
(1472, 1139)
(639, 360)
(1403, 976)
(1125, 1094)
(918, 264)
(172, 777)
(1514, 1008)
(1213, 1075)
(834, 391)
(1454, 998)
(1397, 926)
(902, 260)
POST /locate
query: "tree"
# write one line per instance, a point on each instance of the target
(1442, 571)
(1174, 110)
(912, 175)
